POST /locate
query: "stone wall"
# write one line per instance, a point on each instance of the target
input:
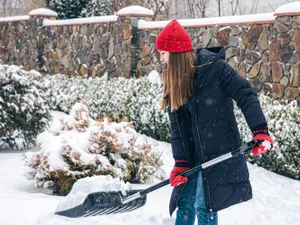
(85, 47)
(19, 43)
(284, 59)
(247, 49)
(267, 52)
(89, 49)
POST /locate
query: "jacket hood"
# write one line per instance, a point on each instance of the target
(205, 58)
(207, 55)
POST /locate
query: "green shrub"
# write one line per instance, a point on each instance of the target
(284, 125)
(24, 107)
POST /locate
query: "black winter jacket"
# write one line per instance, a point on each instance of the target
(206, 128)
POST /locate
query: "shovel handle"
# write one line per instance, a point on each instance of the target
(241, 150)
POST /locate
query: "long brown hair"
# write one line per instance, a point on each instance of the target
(177, 77)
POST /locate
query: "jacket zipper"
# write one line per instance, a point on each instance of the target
(209, 199)
(185, 150)
(210, 210)
(184, 153)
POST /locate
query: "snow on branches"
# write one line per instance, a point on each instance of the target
(139, 100)
(87, 148)
(24, 107)
(284, 126)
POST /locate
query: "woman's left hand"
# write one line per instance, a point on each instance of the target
(265, 146)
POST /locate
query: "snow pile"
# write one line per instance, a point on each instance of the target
(293, 7)
(135, 10)
(42, 12)
(88, 185)
(76, 146)
(24, 107)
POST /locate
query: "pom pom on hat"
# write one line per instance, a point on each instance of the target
(174, 38)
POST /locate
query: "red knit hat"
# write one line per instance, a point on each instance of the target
(174, 38)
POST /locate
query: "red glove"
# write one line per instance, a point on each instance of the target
(180, 167)
(265, 146)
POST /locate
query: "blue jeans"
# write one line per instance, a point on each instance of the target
(192, 203)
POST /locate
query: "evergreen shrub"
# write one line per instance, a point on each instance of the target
(24, 107)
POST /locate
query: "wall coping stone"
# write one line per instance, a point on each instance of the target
(14, 18)
(80, 21)
(266, 18)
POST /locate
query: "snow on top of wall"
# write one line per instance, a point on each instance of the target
(255, 18)
(293, 7)
(88, 20)
(13, 18)
(42, 12)
(135, 10)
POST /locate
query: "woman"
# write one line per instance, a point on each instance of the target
(198, 91)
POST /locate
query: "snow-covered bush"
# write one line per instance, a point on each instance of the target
(97, 8)
(77, 146)
(24, 106)
(67, 9)
(137, 99)
(284, 126)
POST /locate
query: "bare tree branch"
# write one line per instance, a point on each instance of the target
(219, 7)
(236, 6)
(254, 7)
(4, 5)
(198, 8)
(233, 6)
(191, 8)
(271, 7)
(19, 7)
(248, 8)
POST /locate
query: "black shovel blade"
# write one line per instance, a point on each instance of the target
(104, 203)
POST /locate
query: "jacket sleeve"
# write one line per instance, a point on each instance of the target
(176, 142)
(238, 88)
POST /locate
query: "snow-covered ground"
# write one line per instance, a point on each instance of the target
(276, 200)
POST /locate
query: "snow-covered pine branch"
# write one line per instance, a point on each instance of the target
(24, 107)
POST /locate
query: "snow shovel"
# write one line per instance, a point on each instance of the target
(103, 203)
